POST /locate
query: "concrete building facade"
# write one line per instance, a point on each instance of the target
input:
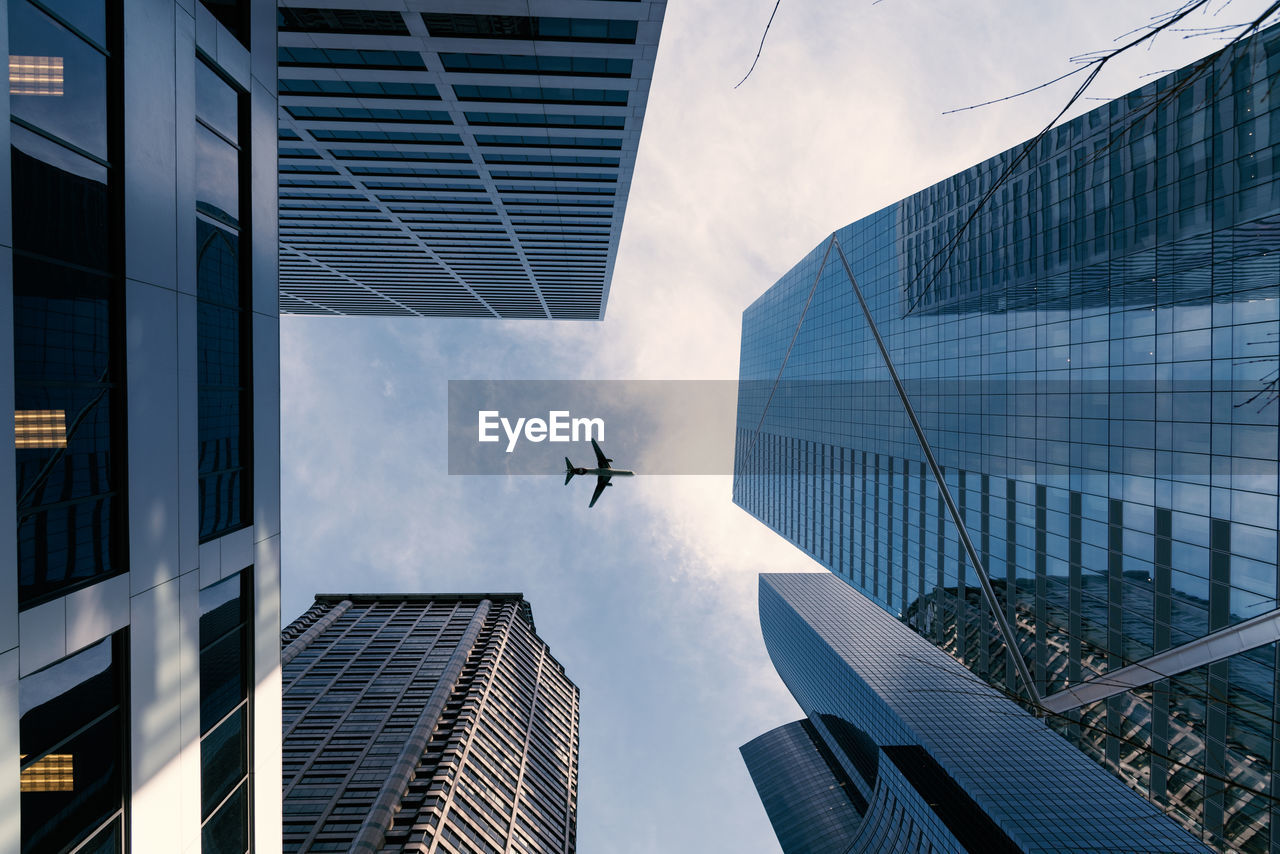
(432, 723)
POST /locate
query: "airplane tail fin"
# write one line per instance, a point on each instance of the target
(568, 470)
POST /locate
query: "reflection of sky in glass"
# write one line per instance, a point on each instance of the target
(41, 687)
(217, 175)
(219, 594)
(216, 102)
(79, 114)
(89, 16)
(55, 155)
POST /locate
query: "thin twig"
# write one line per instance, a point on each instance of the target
(942, 256)
(761, 48)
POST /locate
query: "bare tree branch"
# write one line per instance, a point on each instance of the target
(1094, 66)
(761, 48)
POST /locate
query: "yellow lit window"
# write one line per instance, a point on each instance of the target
(53, 773)
(35, 75)
(40, 428)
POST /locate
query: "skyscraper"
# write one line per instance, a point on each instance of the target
(139, 659)
(905, 750)
(427, 723)
(1086, 330)
(458, 161)
(809, 797)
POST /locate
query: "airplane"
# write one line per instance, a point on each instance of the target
(602, 472)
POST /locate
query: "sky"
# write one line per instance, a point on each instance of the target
(649, 599)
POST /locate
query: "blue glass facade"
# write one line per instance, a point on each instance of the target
(1093, 357)
(931, 775)
(812, 802)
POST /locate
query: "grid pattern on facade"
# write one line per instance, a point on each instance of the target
(499, 770)
(949, 774)
(1095, 370)
(810, 799)
(449, 164)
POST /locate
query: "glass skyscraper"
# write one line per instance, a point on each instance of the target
(904, 750)
(1087, 329)
(809, 797)
(427, 723)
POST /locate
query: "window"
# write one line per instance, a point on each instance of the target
(351, 21)
(570, 66)
(357, 135)
(362, 89)
(232, 14)
(459, 26)
(345, 58)
(544, 119)
(226, 655)
(221, 315)
(539, 94)
(71, 742)
(66, 299)
(362, 114)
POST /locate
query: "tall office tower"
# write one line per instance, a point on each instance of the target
(427, 723)
(889, 761)
(454, 158)
(1087, 331)
(139, 657)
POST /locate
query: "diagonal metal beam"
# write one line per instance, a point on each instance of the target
(786, 356)
(1242, 637)
(988, 591)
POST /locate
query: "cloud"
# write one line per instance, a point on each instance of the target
(649, 598)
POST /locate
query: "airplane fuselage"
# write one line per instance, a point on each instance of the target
(604, 472)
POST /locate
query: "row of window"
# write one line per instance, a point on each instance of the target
(69, 298)
(66, 294)
(377, 652)
(454, 25)
(482, 63)
(73, 735)
(66, 112)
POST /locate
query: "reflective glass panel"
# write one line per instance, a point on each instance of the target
(217, 177)
(222, 655)
(223, 760)
(219, 318)
(227, 831)
(60, 202)
(217, 103)
(63, 394)
(57, 80)
(71, 747)
(87, 16)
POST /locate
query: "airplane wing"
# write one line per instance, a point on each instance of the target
(600, 457)
(601, 483)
